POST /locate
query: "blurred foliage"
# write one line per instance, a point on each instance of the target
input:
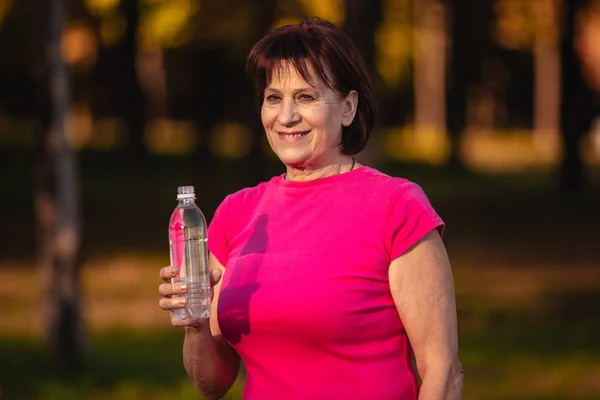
(164, 23)
(394, 43)
(417, 145)
(5, 7)
(112, 29)
(173, 23)
(167, 23)
(331, 10)
(79, 46)
(525, 257)
(101, 8)
(514, 26)
(587, 43)
(171, 137)
(520, 23)
(528, 327)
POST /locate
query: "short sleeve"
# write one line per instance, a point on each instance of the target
(219, 232)
(410, 217)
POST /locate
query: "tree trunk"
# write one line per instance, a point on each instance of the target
(256, 160)
(361, 21)
(472, 57)
(458, 76)
(133, 102)
(430, 68)
(578, 103)
(546, 57)
(56, 202)
(362, 18)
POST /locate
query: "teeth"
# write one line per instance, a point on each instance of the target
(295, 135)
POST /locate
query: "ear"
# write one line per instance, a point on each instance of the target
(350, 105)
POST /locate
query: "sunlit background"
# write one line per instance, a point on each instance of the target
(106, 106)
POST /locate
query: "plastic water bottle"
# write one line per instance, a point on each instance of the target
(189, 253)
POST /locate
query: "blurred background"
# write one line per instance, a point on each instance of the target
(106, 106)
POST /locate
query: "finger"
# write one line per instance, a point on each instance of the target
(215, 276)
(179, 322)
(188, 322)
(170, 289)
(167, 273)
(172, 303)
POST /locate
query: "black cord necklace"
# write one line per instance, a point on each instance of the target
(351, 168)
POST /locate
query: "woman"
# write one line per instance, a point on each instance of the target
(334, 272)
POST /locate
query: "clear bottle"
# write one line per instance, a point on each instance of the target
(189, 253)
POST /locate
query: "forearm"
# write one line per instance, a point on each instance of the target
(211, 367)
(442, 383)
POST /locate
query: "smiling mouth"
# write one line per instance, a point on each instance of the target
(293, 135)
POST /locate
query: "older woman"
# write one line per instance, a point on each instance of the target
(333, 273)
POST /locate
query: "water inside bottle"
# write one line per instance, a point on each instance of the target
(187, 233)
(198, 296)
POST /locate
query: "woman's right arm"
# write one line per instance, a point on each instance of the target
(211, 363)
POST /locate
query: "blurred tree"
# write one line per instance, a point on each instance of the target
(587, 44)
(206, 81)
(56, 195)
(17, 64)
(264, 14)
(5, 7)
(133, 107)
(527, 32)
(460, 70)
(394, 46)
(361, 22)
(115, 80)
(460, 67)
(330, 10)
(547, 70)
(471, 58)
(579, 104)
(430, 73)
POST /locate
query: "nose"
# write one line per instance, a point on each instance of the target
(288, 114)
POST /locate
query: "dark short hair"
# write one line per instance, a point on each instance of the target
(321, 45)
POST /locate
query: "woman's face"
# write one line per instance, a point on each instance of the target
(303, 120)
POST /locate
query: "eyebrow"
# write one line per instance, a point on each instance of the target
(296, 91)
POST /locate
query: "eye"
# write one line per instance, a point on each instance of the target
(272, 98)
(305, 97)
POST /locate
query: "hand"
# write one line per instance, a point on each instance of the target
(167, 290)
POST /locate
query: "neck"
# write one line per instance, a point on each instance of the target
(305, 174)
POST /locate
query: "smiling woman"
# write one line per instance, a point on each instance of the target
(304, 122)
(321, 58)
(310, 95)
(333, 272)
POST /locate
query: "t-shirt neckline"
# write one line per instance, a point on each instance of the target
(280, 180)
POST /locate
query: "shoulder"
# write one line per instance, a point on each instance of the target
(252, 192)
(236, 207)
(393, 191)
(383, 183)
(247, 196)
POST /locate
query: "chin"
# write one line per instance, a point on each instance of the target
(291, 159)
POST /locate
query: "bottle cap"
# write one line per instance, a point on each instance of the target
(185, 192)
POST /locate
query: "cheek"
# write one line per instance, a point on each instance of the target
(266, 116)
(332, 124)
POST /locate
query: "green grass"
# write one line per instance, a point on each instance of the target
(512, 359)
(121, 365)
(525, 259)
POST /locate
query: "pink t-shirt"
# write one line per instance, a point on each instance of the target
(305, 298)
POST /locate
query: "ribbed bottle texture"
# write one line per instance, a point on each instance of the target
(189, 253)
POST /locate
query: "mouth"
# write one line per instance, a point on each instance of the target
(292, 136)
